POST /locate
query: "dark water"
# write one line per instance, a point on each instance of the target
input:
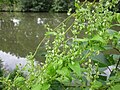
(20, 34)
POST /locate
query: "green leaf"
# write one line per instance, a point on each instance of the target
(64, 71)
(19, 79)
(116, 25)
(64, 80)
(101, 59)
(116, 57)
(115, 87)
(96, 85)
(77, 5)
(37, 87)
(81, 40)
(111, 31)
(76, 68)
(98, 38)
(83, 10)
(50, 33)
(45, 86)
(118, 17)
(115, 78)
(50, 70)
(108, 47)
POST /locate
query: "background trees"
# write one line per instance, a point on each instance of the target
(36, 5)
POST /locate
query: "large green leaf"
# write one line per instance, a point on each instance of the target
(96, 84)
(101, 59)
(64, 71)
(37, 87)
(115, 87)
(50, 70)
(118, 17)
(98, 38)
(45, 86)
(20, 81)
(76, 68)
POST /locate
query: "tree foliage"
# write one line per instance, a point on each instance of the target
(36, 5)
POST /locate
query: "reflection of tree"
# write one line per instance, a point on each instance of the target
(25, 37)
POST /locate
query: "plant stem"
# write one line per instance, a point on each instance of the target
(117, 64)
(38, 46)
(119, 58)
(53, 30)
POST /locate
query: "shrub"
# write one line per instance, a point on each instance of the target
(77, 62)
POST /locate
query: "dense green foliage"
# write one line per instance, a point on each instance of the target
(76, 62)
(36, 5)
(41, 5)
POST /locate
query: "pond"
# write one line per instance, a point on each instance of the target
(20, 34)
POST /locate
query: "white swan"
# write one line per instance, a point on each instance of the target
(15, 21)
(40, 21)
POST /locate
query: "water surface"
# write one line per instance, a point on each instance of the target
(20, 33)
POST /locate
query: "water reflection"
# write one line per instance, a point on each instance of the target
(20, 33)
(10, 61)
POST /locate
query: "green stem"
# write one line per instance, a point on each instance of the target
(117, 64)
(38, 46)
(53, 30)
(64, 21)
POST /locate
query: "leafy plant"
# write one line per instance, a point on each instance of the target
(78, 61)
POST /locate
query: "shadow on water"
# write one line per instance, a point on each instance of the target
(20, 33)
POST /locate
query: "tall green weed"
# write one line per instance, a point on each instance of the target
(79, 61)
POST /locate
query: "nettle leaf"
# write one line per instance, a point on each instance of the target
(64, 71)
(76, 68)
(98, 38)
(115, 78)
(111, 33)
(64, 80)
(115, 87)
(37, 87)
(108, 47)
(101, 59)
(45, 86)
(51, 70)
(19, 79)
(116, 57)
(118, 17)
(110, 59)
(50, 33)
(116, 25)
(96, 84)
(81, 40)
